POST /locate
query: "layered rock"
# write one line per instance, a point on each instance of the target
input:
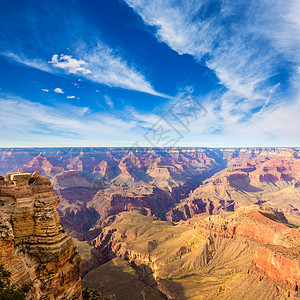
(254, 246)
(270, 180)
(277, 253)
(126, 180)
(94, 183)
(42, 164)
(34, 246)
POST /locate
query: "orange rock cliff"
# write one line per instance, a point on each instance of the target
(33, 245)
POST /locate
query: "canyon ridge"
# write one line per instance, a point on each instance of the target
(177, 223)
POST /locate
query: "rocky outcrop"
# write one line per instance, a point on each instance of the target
(269, 180)
(149, 201)
(42, 164)
(254, 244)
(189, 209)
(34, 246)
(278, 264)
(278, 244)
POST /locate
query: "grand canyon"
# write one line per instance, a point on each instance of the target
(149, 150)
(174, 223)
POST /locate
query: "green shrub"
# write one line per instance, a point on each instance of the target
(9, 291)
(93, 294)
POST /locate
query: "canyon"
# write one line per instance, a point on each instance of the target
(216, 257)
(177, 223)
(171, 183)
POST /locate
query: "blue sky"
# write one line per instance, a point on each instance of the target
(106, 73)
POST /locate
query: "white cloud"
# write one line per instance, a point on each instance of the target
(32, 63)
(109, 102)
(70, 64)
(26, 123)
(45, 90)
(230, 49)
(179, 26)
(145, 120)
(246, 46)
(70, 97)
(99, 64)
(109, 68)
(59, 91)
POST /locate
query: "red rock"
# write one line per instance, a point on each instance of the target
(276, 264)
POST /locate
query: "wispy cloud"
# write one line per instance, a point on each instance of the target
(35, 63)
(24, 122)
(198, 28)
(70, 97)
(45, 90)
(109, 102)
(107, 67)
(27, 123)
(58, 91)
(253, 49)
(76, 48)
(99, 64)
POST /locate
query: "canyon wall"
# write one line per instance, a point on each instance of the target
(254, 246)
(33, 245)
(237, 251)
(170, 183)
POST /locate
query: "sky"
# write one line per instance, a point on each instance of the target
(160, 73)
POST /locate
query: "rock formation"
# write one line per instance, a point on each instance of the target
(172, 183)
(254, 246)
(239, 254)
(34, 246)
(272, 181)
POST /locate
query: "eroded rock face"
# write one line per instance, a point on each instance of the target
(33, 245)
(173, 184)
(252, 247)
(269, 180)
(278, 245)
(278, 264)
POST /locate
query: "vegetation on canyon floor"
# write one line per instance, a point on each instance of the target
(9, 291)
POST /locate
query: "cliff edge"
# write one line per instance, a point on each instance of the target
(33, 245)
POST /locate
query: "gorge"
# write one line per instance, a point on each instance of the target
(177, 223)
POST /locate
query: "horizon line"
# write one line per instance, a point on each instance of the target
(151, 147)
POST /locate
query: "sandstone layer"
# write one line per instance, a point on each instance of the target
(33, 245)
(249, 254)
(273, 181)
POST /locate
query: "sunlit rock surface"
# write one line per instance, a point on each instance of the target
(33, 245)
